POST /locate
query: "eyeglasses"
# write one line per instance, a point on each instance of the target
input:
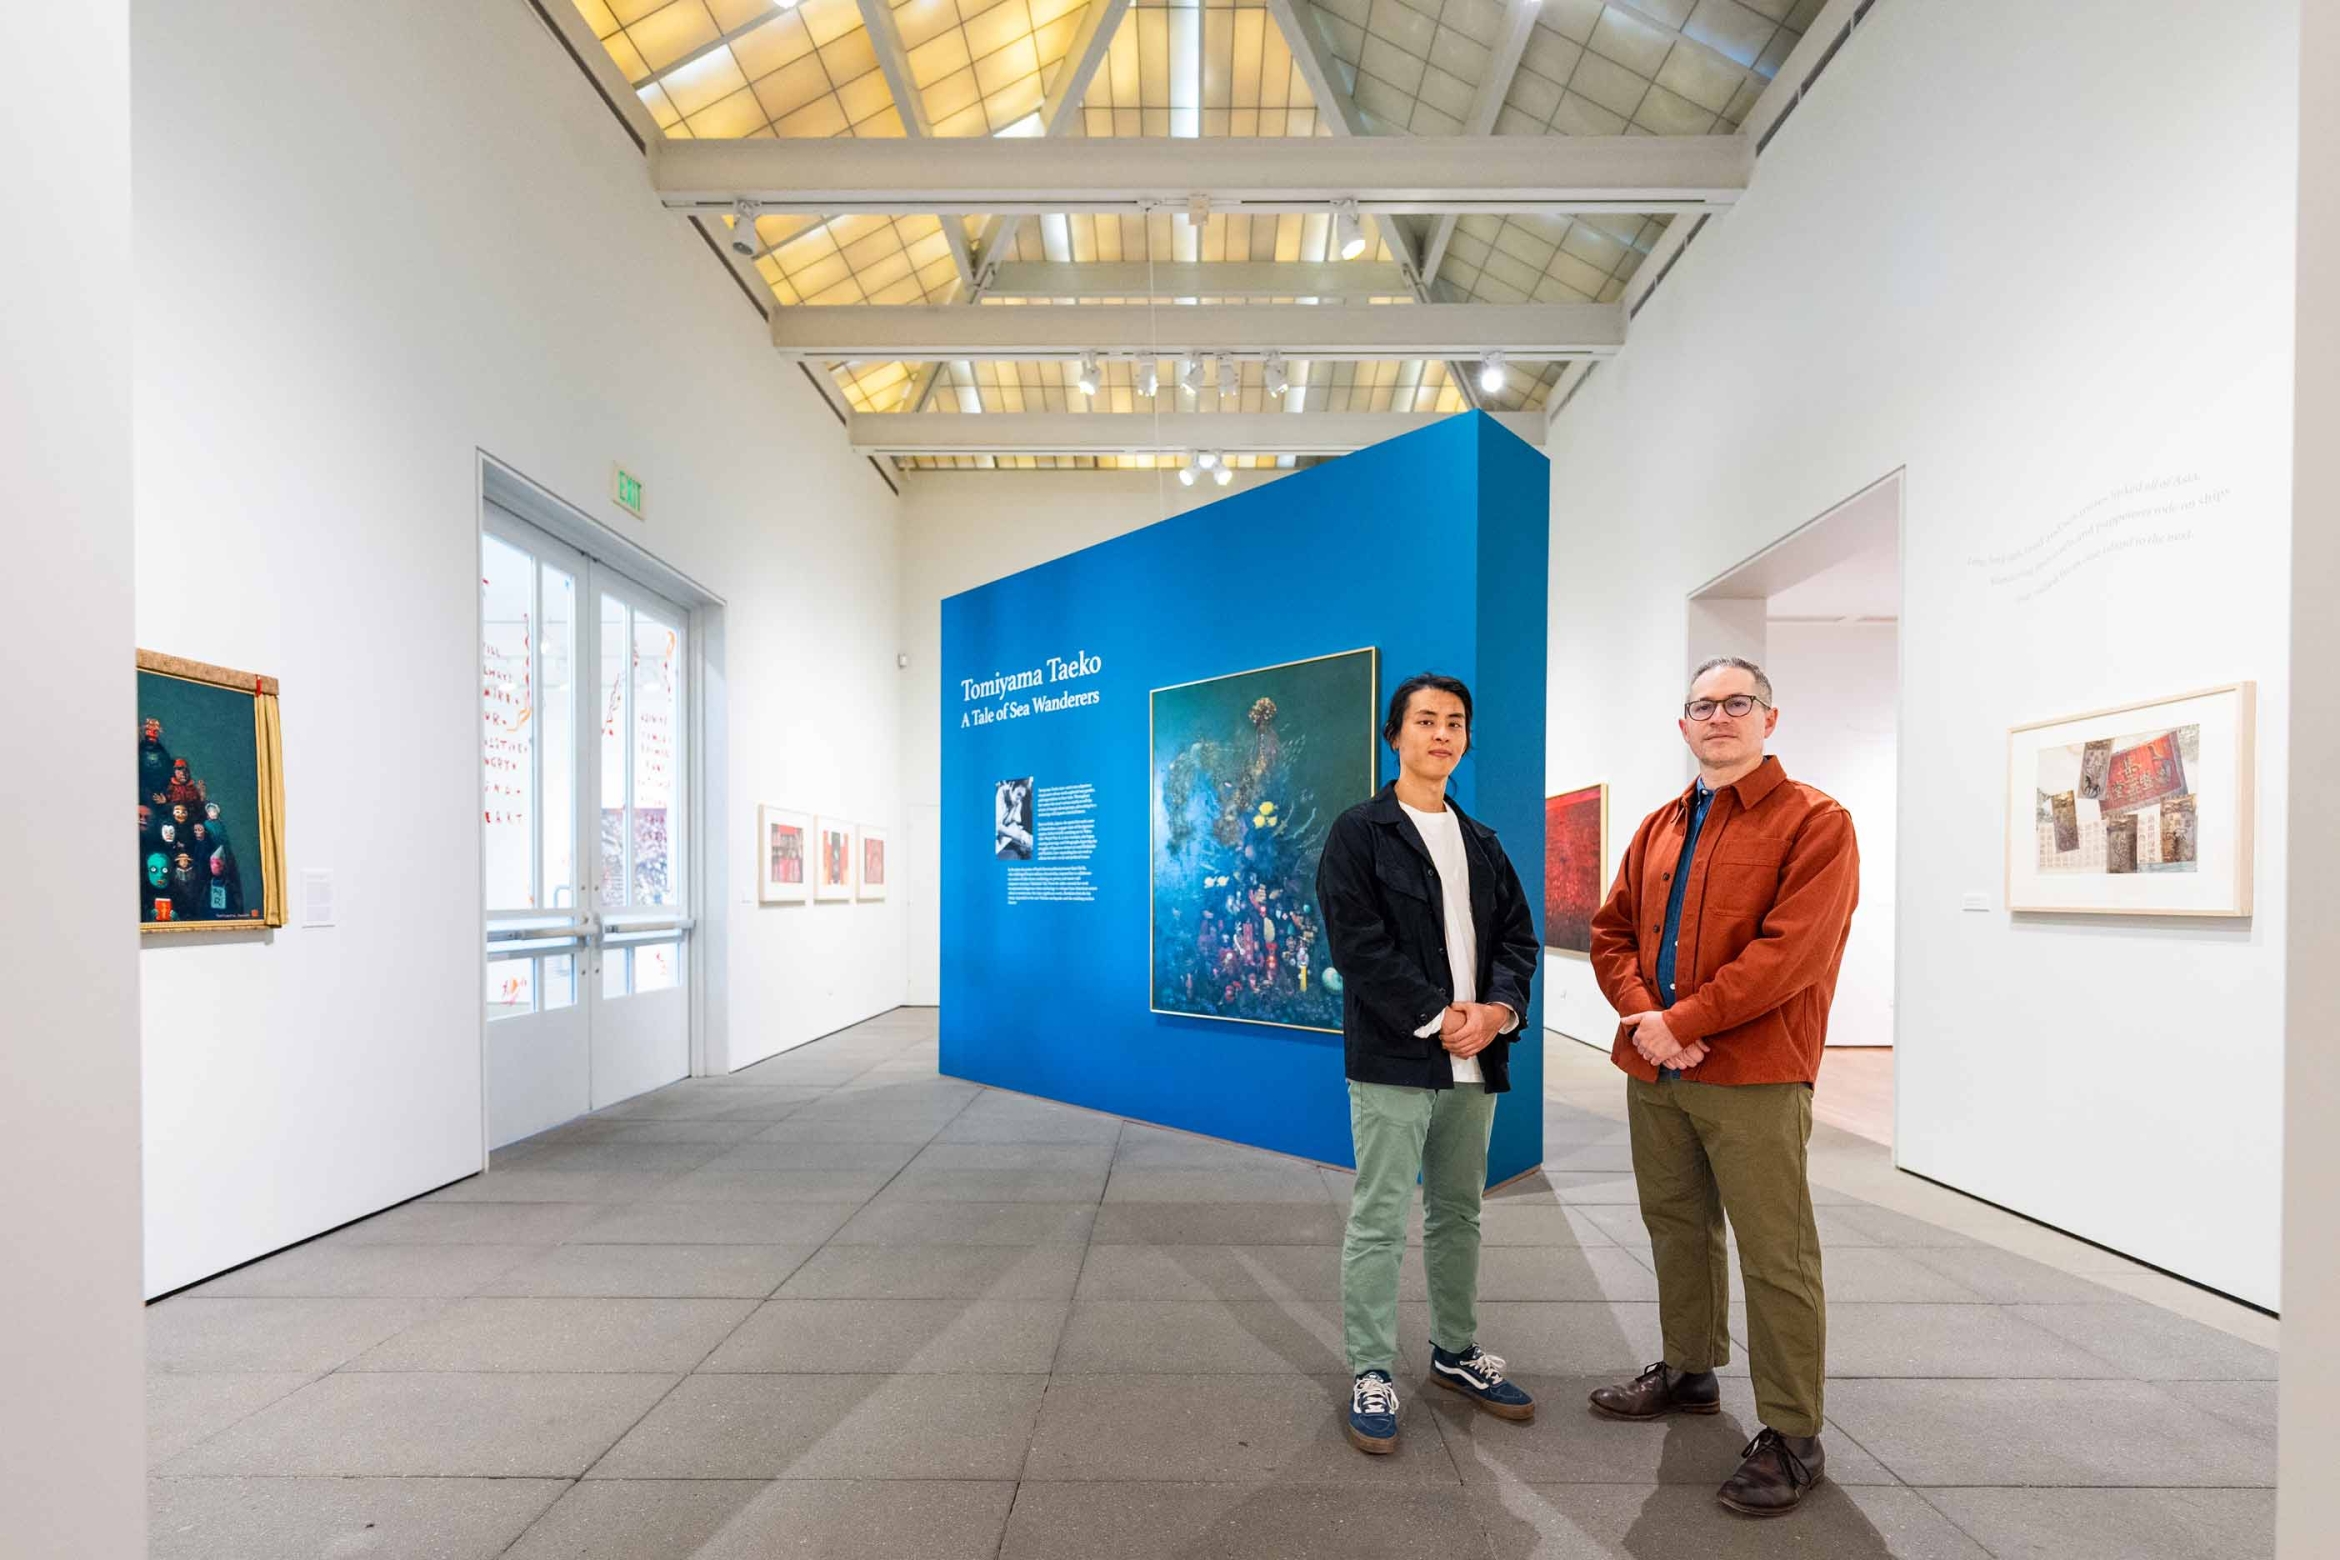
(1736, 705)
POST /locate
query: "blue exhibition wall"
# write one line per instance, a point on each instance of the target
(1432, 550)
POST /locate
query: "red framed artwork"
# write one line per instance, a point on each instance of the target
(1576, 847)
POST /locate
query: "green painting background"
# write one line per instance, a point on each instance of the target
(212, 729)
(1325, 717)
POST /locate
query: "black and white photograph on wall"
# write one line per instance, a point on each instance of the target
(1012, 820)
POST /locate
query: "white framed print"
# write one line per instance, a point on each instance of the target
(2140, 810)
(869, 858)
(784, 851)
(832, 860)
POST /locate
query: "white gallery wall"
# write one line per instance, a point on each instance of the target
(1957, 256)
(961, 529)
(2309, 1405)
(73, 1372)
(428, 236)
(1836, 684)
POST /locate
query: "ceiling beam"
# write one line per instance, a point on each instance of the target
(1803, 65)
(1519, 22)
(877, 16)
(1383, 174)
(1061, 102)
(1198, 279)
(1319, 67)
(1352, 332)
(1140, 433)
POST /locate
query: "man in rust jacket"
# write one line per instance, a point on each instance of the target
(1719, 947)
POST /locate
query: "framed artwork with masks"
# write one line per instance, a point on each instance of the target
(210, 798)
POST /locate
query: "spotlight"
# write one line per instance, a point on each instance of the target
(1349, 229)
(1088, 377)
(1190, 373)
(1186, 476)
(1228, 382)
(1149, 379)
(1491, 373)
(743, 229)
(1223, 475)
(1206, 458)
(1278, 379)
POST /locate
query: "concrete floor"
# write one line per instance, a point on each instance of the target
(838, 1306)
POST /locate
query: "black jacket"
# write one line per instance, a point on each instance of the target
(1386, 921)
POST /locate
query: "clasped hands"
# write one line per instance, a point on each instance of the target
(1657, 1044)
(1467, 1028)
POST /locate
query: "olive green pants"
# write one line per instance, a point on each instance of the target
(1439, 1136)
(1703, 1152)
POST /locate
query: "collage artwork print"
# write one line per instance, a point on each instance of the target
(1248, 772)
(198, 803)
(2120, 805)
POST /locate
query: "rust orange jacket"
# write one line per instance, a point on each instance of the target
(1764, 920)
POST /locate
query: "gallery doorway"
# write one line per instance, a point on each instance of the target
(584, 758)
(1820, 611)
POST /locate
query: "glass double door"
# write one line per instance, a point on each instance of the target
(583, 747)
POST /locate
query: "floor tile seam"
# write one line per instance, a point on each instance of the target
(1088, 1244)
(637, 1421)
(220, 1430)
(863, 1206)
(531, 1526)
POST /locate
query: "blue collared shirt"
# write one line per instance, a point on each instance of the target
(1701, 799)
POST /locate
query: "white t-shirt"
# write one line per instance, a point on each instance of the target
(1442, 832)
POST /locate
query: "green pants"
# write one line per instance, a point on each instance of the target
(1703, 1152)
(1439, 1136)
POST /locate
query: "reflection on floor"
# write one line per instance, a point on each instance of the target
(1856, 1091)
(835, 1305)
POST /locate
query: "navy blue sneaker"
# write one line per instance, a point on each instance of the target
(1478, 1375)
(1373, 1411)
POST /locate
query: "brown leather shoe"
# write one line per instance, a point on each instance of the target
(1659, 1391)
(1778, 1471)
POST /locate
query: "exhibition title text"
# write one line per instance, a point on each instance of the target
(1005, 684)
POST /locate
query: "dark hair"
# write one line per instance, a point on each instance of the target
(1405, 696)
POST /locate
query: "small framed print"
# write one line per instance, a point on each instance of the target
(870, 859)
(784, 857)
(210, 798)
(2140, 810)
(832, 860)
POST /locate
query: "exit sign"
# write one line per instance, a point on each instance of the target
(626, 489)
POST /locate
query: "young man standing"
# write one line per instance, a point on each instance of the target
(1719, 947)
(1426, 917)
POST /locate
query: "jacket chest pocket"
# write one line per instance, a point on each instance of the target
(1745, 875)
(1403, 875)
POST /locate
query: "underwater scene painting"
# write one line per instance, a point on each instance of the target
(1248, 772)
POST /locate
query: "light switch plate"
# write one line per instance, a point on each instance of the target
(1975, 902)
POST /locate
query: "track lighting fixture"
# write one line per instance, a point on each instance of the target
(1224, 475)
(1190, 373)
(1491, 373)
(1088, 378)
(743, 229)
(1228, 382)
(1186, 475)
(1348, 229)
(1206, 458)
(1279, 379)
(1149, 379)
